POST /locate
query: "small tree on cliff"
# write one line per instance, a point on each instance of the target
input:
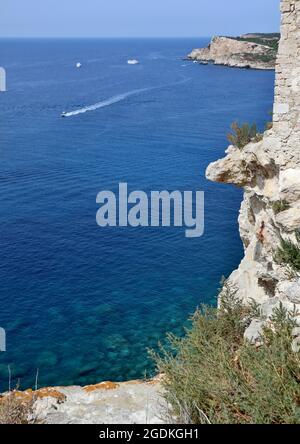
(242, 135)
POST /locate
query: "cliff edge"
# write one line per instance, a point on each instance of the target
(257, 51)
(269, 173)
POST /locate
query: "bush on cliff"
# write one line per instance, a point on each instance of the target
(280, 205)
(213, 375)
(242, 135)
(289, 253)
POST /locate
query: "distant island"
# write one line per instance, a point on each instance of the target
(256, 51)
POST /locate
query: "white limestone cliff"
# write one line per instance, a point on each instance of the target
(230, 51)
(269, 172)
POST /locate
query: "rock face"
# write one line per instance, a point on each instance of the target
(134, 402)
(269, 172)
(239, 52)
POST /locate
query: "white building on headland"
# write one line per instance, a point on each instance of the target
(2, 79)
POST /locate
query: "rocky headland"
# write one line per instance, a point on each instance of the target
(256, 51)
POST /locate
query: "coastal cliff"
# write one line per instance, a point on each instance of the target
(269, 173)
(133, 402)
(257, 51)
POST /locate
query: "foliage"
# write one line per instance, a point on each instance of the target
(268, 56)
(242, 135)
(270, 40)
(280, 205)
(289, 253)
(213, 375)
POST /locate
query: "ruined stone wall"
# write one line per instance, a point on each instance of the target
(287, 101)
(287, 88)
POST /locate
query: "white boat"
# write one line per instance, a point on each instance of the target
(78, 65)
(133, 62)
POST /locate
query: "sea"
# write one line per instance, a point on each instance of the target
(81, 304)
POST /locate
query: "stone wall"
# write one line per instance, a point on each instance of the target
(287, 89)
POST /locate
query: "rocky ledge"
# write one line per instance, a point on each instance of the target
(134, 402)
(256, 51)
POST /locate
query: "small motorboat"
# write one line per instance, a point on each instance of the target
(133, 62)
(78, 65)
(63, 114)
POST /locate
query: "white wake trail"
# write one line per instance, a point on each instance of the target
(118, 98)
(107, 102)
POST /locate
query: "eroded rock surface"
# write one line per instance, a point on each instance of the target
(269, 172)
(134, 402)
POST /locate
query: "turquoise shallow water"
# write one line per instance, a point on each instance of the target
(78, 302)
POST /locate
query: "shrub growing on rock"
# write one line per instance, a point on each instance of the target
(289, 253)
(213, 375)
(242, 135)
(280, 205)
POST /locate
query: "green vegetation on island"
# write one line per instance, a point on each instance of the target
(271, 40)
(257, 51)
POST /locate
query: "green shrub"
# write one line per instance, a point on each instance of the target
(213, 375)
(289, 253)
(267, 57)
(242, 135)
(272, 41)
(280, 205)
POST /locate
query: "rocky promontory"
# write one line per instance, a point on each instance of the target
(256, 51)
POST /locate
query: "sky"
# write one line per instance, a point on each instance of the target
(136, 18)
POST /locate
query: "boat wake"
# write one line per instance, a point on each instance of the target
(116, 99)
(107, 102)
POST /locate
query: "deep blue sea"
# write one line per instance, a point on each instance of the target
(82, 303)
